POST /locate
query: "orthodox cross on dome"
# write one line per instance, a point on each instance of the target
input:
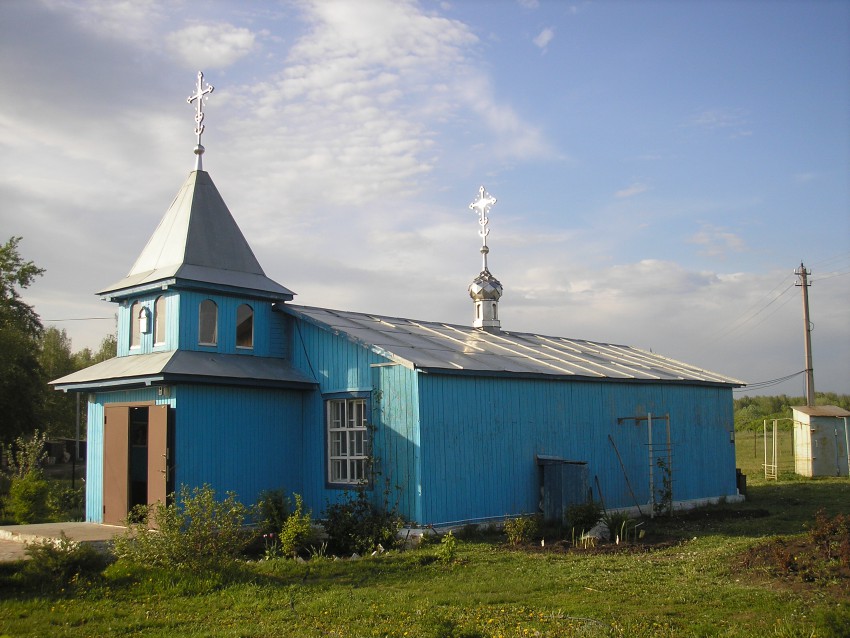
(200, 96)
(483, 205)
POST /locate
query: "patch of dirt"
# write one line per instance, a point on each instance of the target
(819, 558)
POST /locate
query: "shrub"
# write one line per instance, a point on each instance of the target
(57, 565)
(67, 503)
(583, 516)
(356, 525)
(196, 531)
(448, 548)
(272, 510)
(28, 491)
(26, 456)
(296, 529)
(28, 499)
(521, 529)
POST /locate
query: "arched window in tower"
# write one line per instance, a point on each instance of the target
(208, 323)
(244, 326)
(135, 328)
(159, 321)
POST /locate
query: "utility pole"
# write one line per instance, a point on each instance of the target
(807, 326)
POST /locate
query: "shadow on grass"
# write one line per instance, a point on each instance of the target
(772, 508)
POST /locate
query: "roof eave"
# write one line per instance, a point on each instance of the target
(569, 377)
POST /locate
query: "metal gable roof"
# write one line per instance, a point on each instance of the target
(185, 365)
(434, 346)
(198, 240)
(821, 410)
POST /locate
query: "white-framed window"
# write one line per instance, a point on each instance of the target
(159, 320)
(208, 323)
(135, 325)
(348, 441)
(244, 326)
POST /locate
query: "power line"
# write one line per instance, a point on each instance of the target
(77, 319)
(748, 315)
(829, 260)
(760, 385)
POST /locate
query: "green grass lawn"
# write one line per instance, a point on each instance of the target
(693, 584)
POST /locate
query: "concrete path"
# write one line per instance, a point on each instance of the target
(13, 538)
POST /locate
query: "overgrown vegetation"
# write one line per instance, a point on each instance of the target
(686, 579)
(296, 530)
(521, 529)
(195, 532)
(61, 565)
(356, 525)
(583, 516)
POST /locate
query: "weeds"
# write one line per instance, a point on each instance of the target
(272, 510)
(521, 529)
(194, 532)
(447, 551)
(356, 525)
(297, 529)
(58, 565)
(584, 516)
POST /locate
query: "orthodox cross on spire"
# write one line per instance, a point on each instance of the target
(200, 96)
(483, 205)
(485, 289)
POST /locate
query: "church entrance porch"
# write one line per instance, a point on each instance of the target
(136, 464)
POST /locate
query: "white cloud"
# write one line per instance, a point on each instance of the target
(127, 20)
(717, 241)
(210, 46)
(733, 121)
(630, 191)
(544, 37)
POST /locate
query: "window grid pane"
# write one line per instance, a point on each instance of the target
(348, 441)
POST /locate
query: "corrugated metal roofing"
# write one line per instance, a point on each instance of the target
(177, 365)
(821, 410)
(435, 346)
(198, 240)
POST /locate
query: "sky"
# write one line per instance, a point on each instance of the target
(661, 168)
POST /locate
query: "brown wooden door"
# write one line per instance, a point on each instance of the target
(116, 446)
(157, 453)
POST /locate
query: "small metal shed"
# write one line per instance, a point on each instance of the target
(562, 483)
(821, 440)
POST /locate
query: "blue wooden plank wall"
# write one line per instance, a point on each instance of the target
(94, 452)
(479, 438)
(235, 439)
(172, 311)
(339, 366)
(188, 330)
(239, 439)
(395, 411)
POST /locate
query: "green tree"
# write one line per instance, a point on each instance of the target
(58, 412)
(85, 357)
(21, 381)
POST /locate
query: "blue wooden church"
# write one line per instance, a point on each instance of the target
(220, 379)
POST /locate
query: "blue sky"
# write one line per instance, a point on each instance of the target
(661, 167)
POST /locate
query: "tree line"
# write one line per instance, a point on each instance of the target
(751, 412)
(31, 356)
